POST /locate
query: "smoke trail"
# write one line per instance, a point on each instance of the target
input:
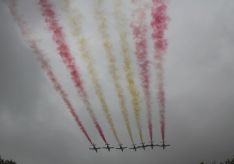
(118, 88)
(65, 54)
(159, 24)
(139, 33)
(128, 70)
(75, 23)
(46, 66)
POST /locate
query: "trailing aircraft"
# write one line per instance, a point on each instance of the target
(134, 147)
(108, 147)
(121, 147)
(163, 145)
(94, 148)
(152, 145)
(143, 146)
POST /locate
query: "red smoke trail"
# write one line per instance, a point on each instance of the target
(65, 54)
(159, 24)
(139, 32)
(46, 67)
(59, 89)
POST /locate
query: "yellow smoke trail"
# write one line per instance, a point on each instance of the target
(102, 28)
(127, 66)
(75, 23)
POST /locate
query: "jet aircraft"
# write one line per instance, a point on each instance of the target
(143, 146)
(121, 147)
(134, 147)
(108, 147)
(163, 145)
(152, 145)
(94, 148)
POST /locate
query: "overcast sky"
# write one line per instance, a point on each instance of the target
(36, 128)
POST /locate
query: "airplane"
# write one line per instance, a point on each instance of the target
(134, 147)
(151, 145)
(143, 146)
(108, 147)
(121, 147)
(163, 145)
(94, 148)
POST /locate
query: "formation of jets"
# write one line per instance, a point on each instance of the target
(134, 147)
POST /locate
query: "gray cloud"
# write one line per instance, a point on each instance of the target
(35, 126)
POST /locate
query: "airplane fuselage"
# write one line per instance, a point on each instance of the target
(134, 148)
(94, 148)
(163, 145)
(143, 146)
(108, 147)
(151, 145)
(121, 148)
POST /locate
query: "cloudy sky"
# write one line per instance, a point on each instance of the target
(35, 126)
